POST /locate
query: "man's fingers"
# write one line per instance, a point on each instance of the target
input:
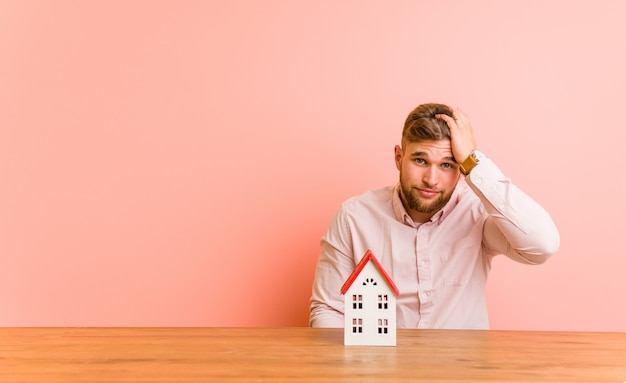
(446, 118)
(459, 115)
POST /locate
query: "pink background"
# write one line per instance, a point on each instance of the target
(174, 163)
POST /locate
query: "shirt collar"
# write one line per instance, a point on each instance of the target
(398, 208)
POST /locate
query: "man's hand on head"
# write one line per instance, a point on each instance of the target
(462, 140)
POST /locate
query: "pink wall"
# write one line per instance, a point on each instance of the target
(175, 163)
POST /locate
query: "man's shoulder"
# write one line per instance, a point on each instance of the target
(464, 202)
(466, 194)
(371, 198)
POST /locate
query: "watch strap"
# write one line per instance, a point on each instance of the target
(471, 161)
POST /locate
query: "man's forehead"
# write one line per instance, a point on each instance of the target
(440, 148)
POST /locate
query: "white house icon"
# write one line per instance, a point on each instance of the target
(370, 305)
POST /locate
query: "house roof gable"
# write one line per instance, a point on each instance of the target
(369, 256)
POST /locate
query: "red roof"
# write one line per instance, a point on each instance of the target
(369, 256)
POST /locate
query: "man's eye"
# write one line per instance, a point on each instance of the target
(446, 166)
(419, 161)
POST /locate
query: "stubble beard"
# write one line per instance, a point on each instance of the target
(413, 202)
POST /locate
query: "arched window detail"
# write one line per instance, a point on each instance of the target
(370, 281)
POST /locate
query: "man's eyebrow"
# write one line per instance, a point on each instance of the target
(424, 154)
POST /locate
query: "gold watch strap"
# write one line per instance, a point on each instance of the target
(471, 161)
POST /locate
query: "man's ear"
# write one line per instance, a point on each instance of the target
(398, 156)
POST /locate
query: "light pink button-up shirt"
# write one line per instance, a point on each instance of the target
(441, 266)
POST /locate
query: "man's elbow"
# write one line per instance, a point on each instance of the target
(323, 316)
(544, 251)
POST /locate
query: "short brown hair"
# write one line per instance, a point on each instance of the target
(422, 125)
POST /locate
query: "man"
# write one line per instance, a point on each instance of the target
(436, 231)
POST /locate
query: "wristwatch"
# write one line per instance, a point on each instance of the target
(471, 161)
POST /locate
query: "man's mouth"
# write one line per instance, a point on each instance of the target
(428, 193)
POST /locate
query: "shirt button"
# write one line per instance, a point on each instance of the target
(478, 181)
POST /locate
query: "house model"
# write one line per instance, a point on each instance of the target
(370, 305)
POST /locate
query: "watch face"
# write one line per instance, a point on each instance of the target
(478, 155)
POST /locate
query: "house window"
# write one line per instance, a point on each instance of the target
(383, 326)
(369, 281)
(383, 302)
(357, 325)
(357, 301)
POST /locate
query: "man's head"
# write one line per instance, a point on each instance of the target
(428, 170)
(422, 125)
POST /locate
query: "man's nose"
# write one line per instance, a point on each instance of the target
(431, 176)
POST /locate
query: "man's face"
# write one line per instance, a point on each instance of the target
(428, 176)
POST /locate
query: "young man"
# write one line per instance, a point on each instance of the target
(436, 231)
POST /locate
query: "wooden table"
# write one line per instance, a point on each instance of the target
(305, 355)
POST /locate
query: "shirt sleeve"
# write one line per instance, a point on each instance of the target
(516, 226)
(334, 266)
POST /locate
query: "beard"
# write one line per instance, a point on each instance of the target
(410, 197)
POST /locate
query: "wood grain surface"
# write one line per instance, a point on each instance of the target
(305, 355)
